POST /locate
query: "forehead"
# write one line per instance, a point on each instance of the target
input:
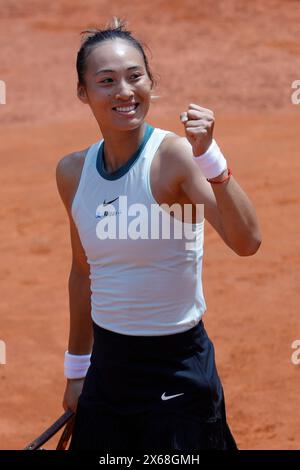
(114, 54)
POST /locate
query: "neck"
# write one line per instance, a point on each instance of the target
(119, 146)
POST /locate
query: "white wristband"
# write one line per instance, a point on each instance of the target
(76, 366)
(212, 163)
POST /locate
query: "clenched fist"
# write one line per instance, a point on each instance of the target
(199, 125)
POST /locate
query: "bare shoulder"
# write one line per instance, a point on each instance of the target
(68, 172)
(176, 154)
(177, 147)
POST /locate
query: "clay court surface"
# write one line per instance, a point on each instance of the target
(239, 59)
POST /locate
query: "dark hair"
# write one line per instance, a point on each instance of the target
(115, 29)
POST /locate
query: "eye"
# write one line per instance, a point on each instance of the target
(105, 80)
(136, 75)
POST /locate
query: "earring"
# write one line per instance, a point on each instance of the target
(154, 97)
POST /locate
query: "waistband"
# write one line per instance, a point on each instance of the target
(110, 343)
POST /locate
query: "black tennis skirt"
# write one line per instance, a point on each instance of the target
(150, 393)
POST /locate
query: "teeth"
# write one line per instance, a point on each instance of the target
(126, 109)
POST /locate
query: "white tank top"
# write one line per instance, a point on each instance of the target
(143, 282)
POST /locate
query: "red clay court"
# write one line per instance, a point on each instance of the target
(237, 58)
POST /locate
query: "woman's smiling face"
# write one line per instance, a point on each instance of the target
(117, 86)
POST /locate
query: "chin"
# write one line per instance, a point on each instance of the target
(129, 125)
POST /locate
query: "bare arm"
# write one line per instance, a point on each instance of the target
(80, 333)
(226, 206)
(68, 173)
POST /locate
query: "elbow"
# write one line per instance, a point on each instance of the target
(250, 248)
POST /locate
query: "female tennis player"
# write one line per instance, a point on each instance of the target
(140, 366)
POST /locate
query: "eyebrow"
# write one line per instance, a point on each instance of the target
(109, 70)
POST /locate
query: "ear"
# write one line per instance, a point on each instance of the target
(81, 93)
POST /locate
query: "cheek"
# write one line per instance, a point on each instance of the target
(145, 91)
(102, 97)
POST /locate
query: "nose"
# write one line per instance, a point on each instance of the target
(124, 91)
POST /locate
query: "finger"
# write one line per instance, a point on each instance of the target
(196, 131)
(199, 108)
(183, 117)
(197, 123)
(195, 114)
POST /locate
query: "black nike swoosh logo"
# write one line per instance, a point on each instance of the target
(109, 202)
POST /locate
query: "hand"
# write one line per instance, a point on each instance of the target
(199, 125)
(72, 393)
